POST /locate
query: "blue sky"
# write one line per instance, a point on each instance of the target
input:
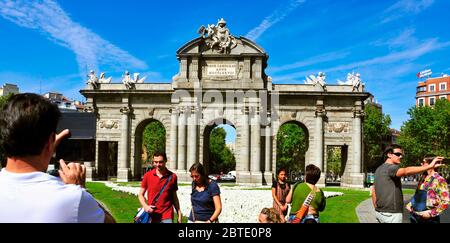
(50, 45)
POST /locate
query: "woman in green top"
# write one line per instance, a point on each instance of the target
(300, 191)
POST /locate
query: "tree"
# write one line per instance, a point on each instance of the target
(334, 162)
(222, 159)
(376, 128)
(291, 147)
(426, 132)
(154, 138)
(3, 100)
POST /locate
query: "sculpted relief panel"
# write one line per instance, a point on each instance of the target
(337, 127)
(108, 124)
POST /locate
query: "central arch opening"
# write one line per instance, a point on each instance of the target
(150, 136)
(219, 150)
(292, 144)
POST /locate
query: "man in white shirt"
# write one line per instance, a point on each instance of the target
(27, 193)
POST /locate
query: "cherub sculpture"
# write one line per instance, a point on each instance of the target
(93, 80)
(320, 79)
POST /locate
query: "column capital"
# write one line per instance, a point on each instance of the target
(174, 110)
(358, 113)
(320, 112)
(125, 110)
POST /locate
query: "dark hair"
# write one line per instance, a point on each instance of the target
(281, 169)
(200, 169)
(157, 153)
(26, 123)
(390, 148)
(312, 174)
(428, 158)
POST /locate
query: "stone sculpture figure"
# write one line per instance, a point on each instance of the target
(104, 80)
(127, 80)
(219, 37)
(93, 80)
(320, 79)
(352, 79)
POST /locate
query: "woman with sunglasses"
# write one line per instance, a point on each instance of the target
(431, 197)
(205, 197)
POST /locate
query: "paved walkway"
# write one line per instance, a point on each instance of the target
(366, 212)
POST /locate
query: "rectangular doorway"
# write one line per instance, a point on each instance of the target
(107, 160)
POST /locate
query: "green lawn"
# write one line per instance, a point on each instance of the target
(123, 206)
(341, 209)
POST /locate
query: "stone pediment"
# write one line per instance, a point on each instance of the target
(244, 47)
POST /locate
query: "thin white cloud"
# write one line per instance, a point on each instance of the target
(331, 56)
(409, 54)
(404, 39)
(405, 8)
(276, 16)
(50, 19)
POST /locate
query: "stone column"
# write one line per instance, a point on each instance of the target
(268, 155)
(355, 178)
(192, 138)
(243, 166)
(255, 158)
(318, 136)
(123, 171)
(172, 163)
(182, 141)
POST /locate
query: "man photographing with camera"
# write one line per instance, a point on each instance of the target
(387, 195)
(27, 193)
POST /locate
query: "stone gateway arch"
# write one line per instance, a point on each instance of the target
(222, 80)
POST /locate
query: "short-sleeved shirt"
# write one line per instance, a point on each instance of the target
(153, 184)
(388, 189)
(38, 197)
(203, 203)
(301, 192)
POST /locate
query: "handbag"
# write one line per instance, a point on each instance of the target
(144, 217)
(419, 200)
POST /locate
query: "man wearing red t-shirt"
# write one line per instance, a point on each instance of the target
(152, 183)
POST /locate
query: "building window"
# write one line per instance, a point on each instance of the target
(431, 100)
(421, 101)
(421, 89)
(442, 86)
(442, 97)
(431, 88)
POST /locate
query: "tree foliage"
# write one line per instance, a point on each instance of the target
(154, 138)
(222, 159)
(3, 100)
(376, 129)
(292, 144)
(334, 161)
(426, 132)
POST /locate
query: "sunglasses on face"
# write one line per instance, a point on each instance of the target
(398, 154)
(195, 176)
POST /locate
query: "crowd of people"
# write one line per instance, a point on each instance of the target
(28, 130)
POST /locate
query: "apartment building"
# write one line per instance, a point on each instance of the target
(432, 89)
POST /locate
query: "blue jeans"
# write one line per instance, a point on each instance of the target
(166, 221)
(309, 218)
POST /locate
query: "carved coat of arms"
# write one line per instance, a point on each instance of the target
(218, 37)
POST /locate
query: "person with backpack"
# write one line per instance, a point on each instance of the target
(307, 200)
(161, 186)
